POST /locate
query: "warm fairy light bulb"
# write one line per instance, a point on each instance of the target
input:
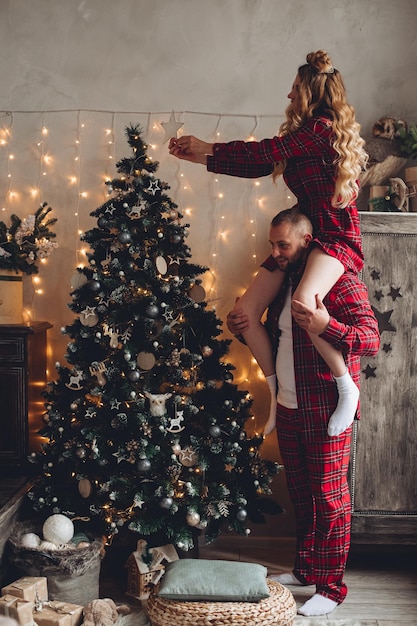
(83, 194)
(73, 180)
(11, 157)
(221, 195)
(34, 192)
(44, 130)
(36, 279)
(257, 183)
(3, 142)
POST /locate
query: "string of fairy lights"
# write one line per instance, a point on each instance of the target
(64, 157)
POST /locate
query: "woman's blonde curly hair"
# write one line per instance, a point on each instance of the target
(321, 92)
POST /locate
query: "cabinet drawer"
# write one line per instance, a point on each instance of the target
(12, 349)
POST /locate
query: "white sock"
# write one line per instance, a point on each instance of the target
(272, 419)
(346, 406)
(286, 579)
(317, 605)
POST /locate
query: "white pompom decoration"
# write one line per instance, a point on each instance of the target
(58, 529)
(30, 540)
(47, 545)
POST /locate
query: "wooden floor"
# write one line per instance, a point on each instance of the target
(382, 580)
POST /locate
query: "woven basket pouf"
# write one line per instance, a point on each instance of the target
(279, 609)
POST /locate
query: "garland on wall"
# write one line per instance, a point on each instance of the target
(66, 157)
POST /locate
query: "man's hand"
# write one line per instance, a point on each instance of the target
(237, 321)
(313, 320)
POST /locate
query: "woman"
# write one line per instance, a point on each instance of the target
(320, 153)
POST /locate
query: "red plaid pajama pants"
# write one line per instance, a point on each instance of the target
(317, 483)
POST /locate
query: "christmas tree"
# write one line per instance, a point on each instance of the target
(145, 428)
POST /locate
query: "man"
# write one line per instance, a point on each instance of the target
(316, 463)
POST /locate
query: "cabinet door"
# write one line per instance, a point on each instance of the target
(13, 412)
(383, 470)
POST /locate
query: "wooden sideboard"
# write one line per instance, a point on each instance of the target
(22, 382)
(383, 472)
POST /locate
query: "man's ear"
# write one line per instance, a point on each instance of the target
(308, 237)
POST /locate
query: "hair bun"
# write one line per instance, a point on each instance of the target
(320, 62)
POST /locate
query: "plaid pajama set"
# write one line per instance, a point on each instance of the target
(316, 464)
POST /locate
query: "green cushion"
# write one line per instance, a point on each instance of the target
(214, 580)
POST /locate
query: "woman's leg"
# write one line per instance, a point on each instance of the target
(256, 299)
(321, 273)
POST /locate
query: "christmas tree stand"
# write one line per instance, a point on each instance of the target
(72, 574)
(278, 610)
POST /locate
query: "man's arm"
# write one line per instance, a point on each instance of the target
(352, 326)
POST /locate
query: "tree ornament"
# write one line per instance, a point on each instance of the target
(175, 422)
(171, 127)
(94, 285)
(157, 403)
(215, 431)
(188, 457)
(176, 448)
(124, 237)
(134, 376)
(143, 465)
(241, 515)
(88, 317)
(175, 238)
(166, 502)
(207, 351)
(78, 280)
(152, 311)
(81, 452)
(85, 488)
(98, 369)
(161, 265)
(103, 222)
(146, 360)
(197, 293)
(58, 529)
(192, 518)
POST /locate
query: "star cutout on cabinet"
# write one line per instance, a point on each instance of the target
(387, 347)
(395, 293)
(375, 274)
(378, 295)
(369, 372)
(171, 127)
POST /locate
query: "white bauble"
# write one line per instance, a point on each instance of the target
(58, 529)
(30, 540)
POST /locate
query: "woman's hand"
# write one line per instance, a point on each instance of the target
(190, 148)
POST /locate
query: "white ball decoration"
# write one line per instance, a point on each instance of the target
(30, 540)
(58, 529)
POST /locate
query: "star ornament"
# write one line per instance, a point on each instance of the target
(171, 127)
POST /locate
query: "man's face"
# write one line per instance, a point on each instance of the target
(289, 245)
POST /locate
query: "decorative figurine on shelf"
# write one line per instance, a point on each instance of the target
(386, 158)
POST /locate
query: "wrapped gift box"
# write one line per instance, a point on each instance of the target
(18, 609)
(29, 588)
(59, 614)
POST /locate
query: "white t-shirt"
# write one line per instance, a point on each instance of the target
(285, 358)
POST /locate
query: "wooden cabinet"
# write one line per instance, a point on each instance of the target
(384, 453)
(22, 381)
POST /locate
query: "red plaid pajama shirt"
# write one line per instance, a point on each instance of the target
(316, 465)
(310, 173)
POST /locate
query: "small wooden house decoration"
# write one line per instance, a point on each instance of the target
(140, 576)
